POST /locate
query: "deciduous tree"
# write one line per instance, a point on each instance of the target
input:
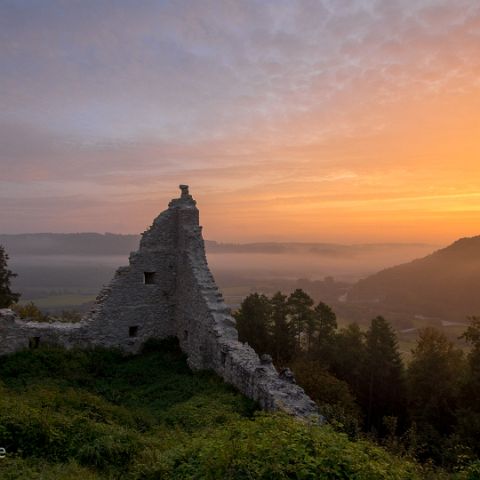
(468, 416)
(434, 374)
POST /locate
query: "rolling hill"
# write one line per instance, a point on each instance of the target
(444, 285)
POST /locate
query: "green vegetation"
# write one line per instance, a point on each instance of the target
(99, 415)
(427, 408)
(30, 311)
(7, 297)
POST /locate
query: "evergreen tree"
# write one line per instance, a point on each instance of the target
(7, 297)
(349, 356)
(253, 319)
(302, 319)
(325, 333)
(383, 391)
(282, 335)
(327, 320)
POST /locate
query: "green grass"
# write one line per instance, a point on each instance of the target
(100, 415)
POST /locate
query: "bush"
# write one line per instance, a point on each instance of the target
(100, 414)
(273, 447)
(30, 311)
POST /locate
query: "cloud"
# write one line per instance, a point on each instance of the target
(196, 69)
(118, 101)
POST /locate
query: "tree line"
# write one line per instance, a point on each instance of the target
(427, 407)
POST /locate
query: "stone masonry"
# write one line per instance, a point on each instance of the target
(168, 290)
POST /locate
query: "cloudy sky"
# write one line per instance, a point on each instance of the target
(325, 120)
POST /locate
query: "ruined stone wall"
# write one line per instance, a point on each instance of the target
(127, 312)
(207, 333)
(17, 334)
(140, 301)
(168, 290)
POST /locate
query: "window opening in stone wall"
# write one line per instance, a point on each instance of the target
(33, 342)
(224, 358)
(149, 278)
(133, 331)
(185, 335)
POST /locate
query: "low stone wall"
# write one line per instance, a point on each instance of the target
(17, 334)
(168, 290)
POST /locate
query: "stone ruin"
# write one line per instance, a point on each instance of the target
(168, 290)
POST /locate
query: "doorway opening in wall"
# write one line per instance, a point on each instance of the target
(149, 278)
(133, 331)
(33, 342)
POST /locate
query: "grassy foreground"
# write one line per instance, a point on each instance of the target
(99, 415)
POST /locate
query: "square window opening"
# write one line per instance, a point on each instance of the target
(33, 342)
(133, 331)
(149, 278)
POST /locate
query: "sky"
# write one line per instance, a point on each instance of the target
(349, 121)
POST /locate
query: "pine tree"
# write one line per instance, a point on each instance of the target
(7, 297)
(283, 340)
(253, 319)
(327, 320)
(349, 356)
(325, 333)
(384, 391)
(302, 318)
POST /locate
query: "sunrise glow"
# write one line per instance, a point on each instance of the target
(346, 121)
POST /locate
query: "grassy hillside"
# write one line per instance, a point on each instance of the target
(99, 415)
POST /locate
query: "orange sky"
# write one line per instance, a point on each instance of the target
(346, 121)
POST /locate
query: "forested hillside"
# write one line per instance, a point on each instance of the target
(444, 284)
(426, 406)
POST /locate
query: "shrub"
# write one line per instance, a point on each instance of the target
(30, 311)
(100, 414)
